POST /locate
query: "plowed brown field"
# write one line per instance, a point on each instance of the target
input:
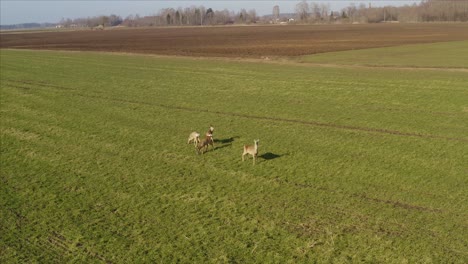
(239, 41)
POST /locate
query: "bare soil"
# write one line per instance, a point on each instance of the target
(238, 41)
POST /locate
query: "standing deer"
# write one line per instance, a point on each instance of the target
(195, 137)
(209, 133)
(252, 150)
(204, 144)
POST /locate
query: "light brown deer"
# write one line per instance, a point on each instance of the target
(204, 144)
(194, 137)
(252, 150)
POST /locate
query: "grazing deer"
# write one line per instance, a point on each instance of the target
(252, 150)
(195, 137)
(204, 144)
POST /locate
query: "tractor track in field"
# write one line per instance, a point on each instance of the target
(398, 204)
(231, 114)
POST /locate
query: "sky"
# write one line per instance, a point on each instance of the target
(29, 11)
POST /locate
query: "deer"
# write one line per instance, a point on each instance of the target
(194, 137)
(204, 144)
(209, 133)
(252, 150)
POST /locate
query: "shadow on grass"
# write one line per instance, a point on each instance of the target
(222, 146)
(270, 156)
(226, 140)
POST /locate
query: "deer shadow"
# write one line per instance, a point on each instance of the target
(270, 156)
(226, 140)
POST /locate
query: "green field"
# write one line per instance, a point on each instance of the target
(434, 55)
(355, 164)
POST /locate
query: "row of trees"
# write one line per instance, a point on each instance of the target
(195, 16)
(305, 12)
(439, 10)
(107, 21)
(426, 11)
(192, 16)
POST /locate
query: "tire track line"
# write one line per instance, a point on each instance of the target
(253, 117)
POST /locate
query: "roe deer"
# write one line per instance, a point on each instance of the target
(195, 137)
(252, 150)
(209, 133)
(204, 144)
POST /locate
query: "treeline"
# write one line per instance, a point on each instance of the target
(191, 16)
(195, 16)
(26, 26)
(443, 10)
(305, 13)
(107, 21)
(426, 11)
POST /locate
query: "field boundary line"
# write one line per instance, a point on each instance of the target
(389, 67)
(292, 61)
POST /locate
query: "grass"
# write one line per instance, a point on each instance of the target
(356, 165)
(438, 55)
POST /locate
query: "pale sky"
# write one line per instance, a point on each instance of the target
(28, 11)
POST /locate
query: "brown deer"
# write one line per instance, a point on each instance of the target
(209, 133)
(204, 144)
(252, 150)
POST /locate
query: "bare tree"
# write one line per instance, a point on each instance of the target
(325, 10)
(209, 16)
(302, 11)
(115, 20)
(168, 16)
(224, 17)
(351, 11)
(198, 15)
(242, 16)
(252, 16)
(315, 11)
